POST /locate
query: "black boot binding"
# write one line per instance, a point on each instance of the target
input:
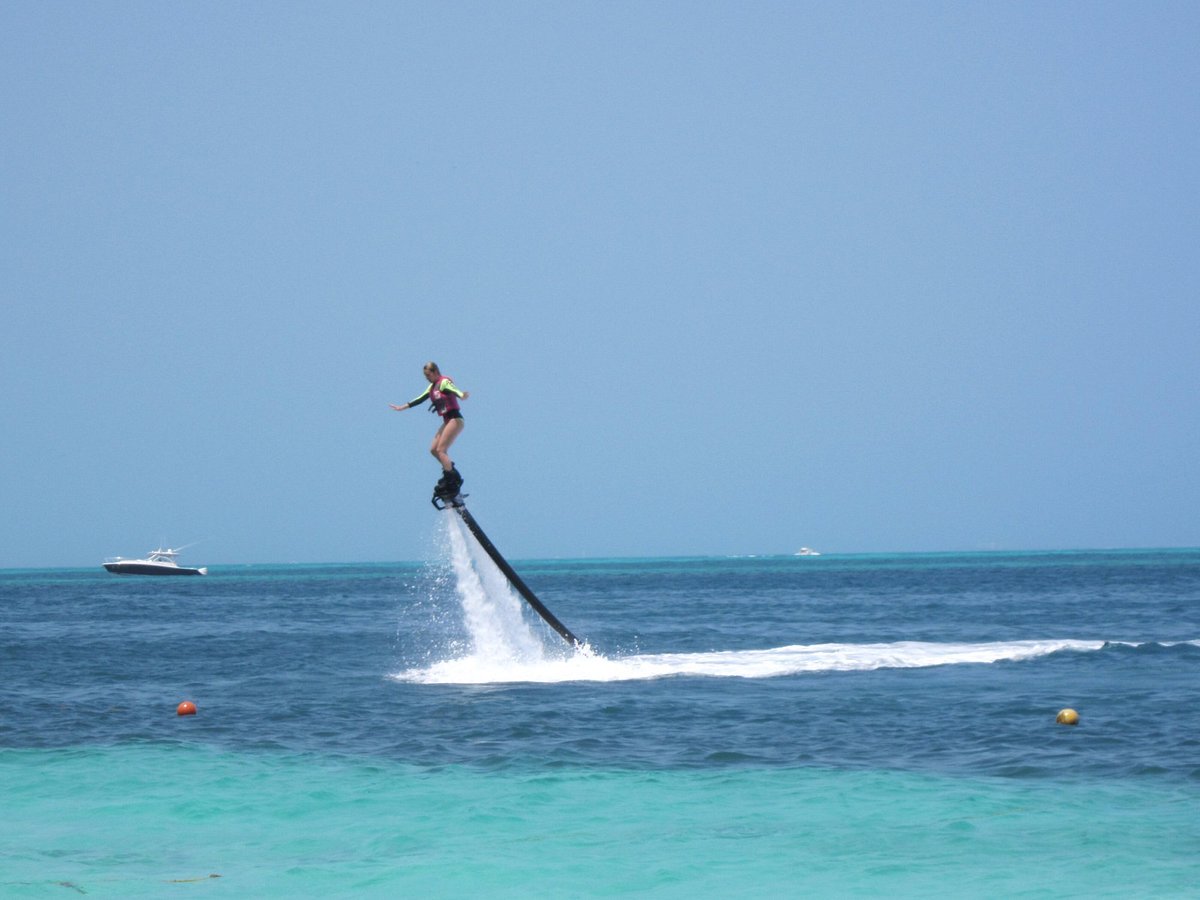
(447, 489)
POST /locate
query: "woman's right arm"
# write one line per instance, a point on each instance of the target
(411, 403)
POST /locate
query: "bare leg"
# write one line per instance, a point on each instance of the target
(443, 439)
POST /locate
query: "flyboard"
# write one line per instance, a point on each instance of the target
(450, 498)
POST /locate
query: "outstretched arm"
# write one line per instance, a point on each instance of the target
(411, 403)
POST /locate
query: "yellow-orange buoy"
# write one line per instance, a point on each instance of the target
(186, 708)
(1068, 717)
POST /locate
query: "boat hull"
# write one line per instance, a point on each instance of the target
(136, 568)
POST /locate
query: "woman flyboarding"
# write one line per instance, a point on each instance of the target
(444, 395)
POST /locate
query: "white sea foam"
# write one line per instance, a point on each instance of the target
(771, 663)
(506, 648)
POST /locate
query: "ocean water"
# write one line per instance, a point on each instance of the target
(758, 727)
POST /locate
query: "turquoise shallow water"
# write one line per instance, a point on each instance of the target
(832, 726)
(153, 821)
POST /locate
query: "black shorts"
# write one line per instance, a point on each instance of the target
(453, 414)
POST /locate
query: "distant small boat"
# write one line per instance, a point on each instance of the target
(158, 562)
(807, 551)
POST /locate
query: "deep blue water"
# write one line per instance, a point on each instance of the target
(299, 658)
(718, 680)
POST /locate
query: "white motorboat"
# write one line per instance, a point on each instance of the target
(807, 551)
(157, 562)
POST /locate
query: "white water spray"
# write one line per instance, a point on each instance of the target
(493, 613)
(507, 648)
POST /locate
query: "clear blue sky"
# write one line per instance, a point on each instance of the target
(721, 277)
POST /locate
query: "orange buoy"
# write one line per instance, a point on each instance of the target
(186, 708)
(1068, 717)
